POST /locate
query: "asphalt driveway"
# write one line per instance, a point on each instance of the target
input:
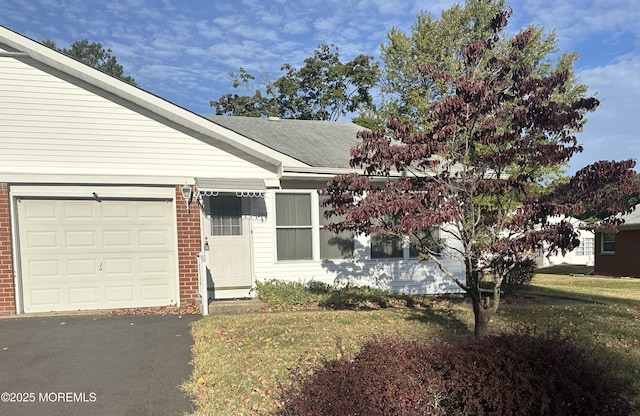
(95, 365)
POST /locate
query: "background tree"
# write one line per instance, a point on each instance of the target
(491, 126)
(94, 55)
(439, 42)
(324, 88)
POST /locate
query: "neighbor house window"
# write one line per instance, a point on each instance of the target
(293, 226)
(586, 247)
(332, 245)
(226, 215)
(386, 246)
(430, 240)
(608, 243)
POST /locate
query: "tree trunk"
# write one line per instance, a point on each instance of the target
(482, 313)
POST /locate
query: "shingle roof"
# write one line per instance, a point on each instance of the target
(322, 144)
(632, 218)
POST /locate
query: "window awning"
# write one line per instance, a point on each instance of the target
(239, 186)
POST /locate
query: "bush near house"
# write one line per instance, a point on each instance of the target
(498, 375)
(281, 295)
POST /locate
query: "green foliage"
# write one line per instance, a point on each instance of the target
(283, 295)
(516, 273)
(498, 375)
(279, 294)
(324, 88)
(441, 42)
(94, 55)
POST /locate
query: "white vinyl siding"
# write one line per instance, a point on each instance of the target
(51, 123)
(405, 275)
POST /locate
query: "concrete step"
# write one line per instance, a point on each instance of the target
(236, 307)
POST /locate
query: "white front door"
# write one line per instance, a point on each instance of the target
(228, 237)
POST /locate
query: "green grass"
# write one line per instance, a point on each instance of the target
(240, 361)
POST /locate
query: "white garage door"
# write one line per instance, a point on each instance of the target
(89, 254)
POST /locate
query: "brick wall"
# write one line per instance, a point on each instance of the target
(625, 261)
(189, 245)
(7, 291)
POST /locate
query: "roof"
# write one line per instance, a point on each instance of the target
(632, 218)
(315, 143)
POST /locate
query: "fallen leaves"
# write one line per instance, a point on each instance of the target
(191, 308)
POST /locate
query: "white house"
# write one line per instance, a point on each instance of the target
(112, 197)
(583, 255)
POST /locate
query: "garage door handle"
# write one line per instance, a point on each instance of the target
(100, 267)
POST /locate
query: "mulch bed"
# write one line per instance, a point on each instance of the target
(189, 309)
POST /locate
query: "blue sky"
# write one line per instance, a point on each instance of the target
(183, 50)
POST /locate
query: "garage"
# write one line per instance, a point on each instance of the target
(98, 253)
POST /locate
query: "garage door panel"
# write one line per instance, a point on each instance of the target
(118, 294)
(81, 269)
(117, 210)
(83, 239)
(45, 240)
(154, 265)
(79, 296)
(96, 255)
(117, 239)
(153, 238)
(77, 211)
(42, 268)
(155, 292)
(45, 297)
(43, 211)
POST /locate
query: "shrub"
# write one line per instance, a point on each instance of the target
(385, 378)
(516, 273)
(499, 375)
(349, 296)
(279, 294)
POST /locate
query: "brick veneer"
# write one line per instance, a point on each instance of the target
(626, 259)
(189, 245)
(7, 291)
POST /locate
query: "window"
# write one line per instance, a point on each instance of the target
(293, 226)
(386, 246)
(608, 243)
(226, 215)
(586, 247)
(431, 240)
(332, 245)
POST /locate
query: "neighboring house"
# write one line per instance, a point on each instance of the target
(111, 197)
(583, 255)
(619, 254)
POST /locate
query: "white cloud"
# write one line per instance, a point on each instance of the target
(610, 132)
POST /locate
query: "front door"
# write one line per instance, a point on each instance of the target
(228, 237)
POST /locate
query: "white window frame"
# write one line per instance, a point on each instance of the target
(315, 226)
(315, 249)
(603, 242)
(320, 213)
(581, 249)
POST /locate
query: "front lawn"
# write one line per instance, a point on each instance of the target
(240, 361)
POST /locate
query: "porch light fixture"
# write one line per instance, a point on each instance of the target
(186, 194)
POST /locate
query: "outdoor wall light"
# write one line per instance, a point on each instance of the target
(186, 194)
